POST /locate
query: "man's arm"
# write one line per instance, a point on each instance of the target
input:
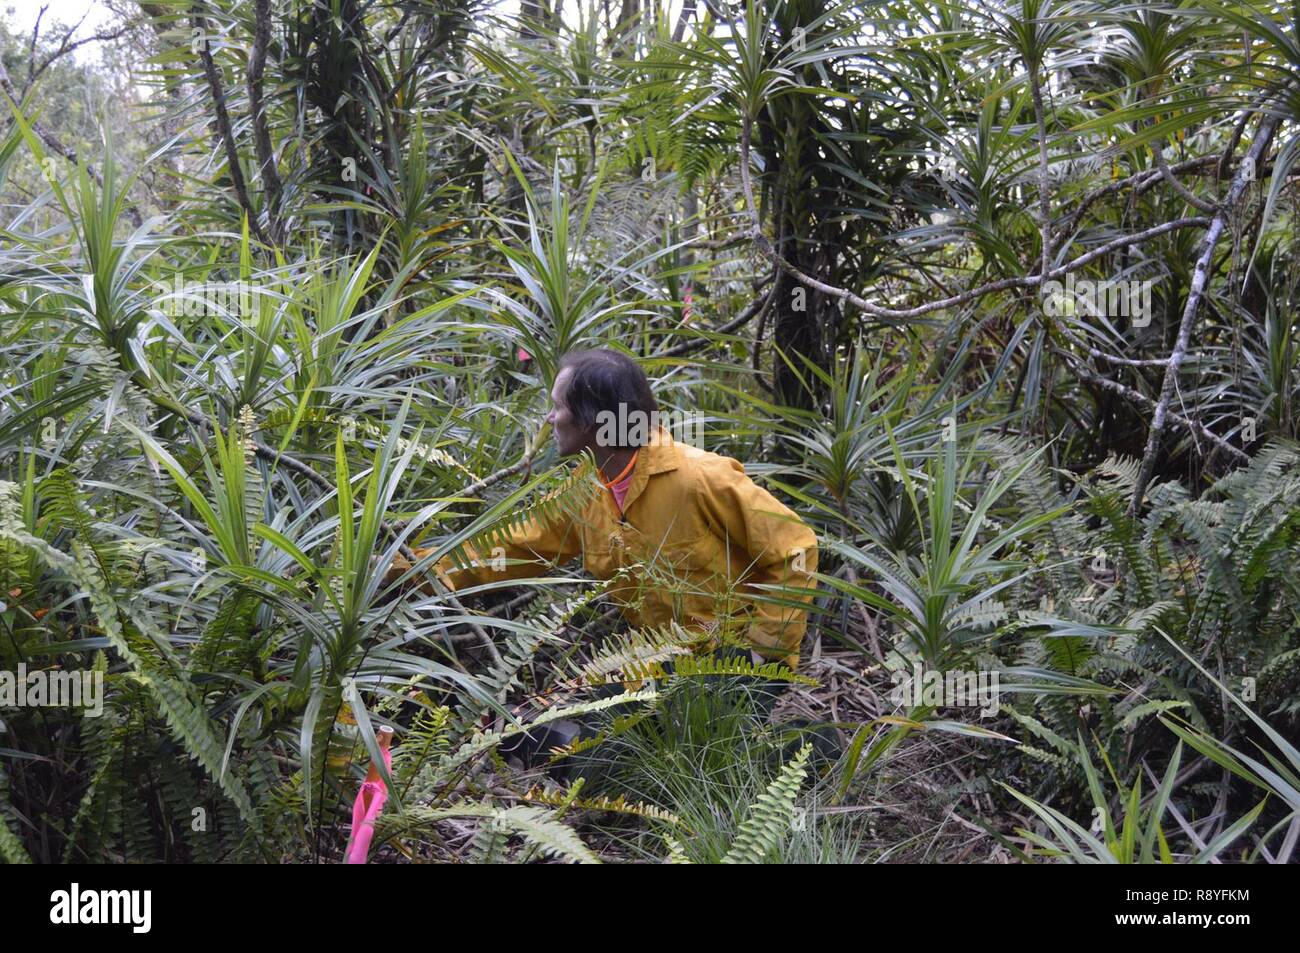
(782, 552)
(527, 550)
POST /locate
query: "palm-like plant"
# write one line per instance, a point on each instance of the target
(567, 298)
(1139, 838)
(209, 505)
(944, 598)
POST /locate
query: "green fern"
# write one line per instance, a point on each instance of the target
(11, 845)
(537, 826)
(771, 816)
(146, 650)
(564, 503)
(603, 804)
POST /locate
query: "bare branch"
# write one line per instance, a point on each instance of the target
(67, 47)
(1100, 355)
(739, 321)
(1183, 191)
(1140, 398)
(261, 136)
(1044, 188)
(45, 135)
(1200, 276)
(892, 315)
(31, 46)
(223, 124)
(1139, 181)
(1233, 141)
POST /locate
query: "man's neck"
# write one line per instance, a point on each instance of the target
(612, 460)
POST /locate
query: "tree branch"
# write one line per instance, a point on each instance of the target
(1140, 181)
(694, 344)
(261, 136)
(65, 48)
(223, 124)
(1200, 276)
(56, 144)
(892, 315)
(1140, 398)
(1183, 191)
(1044, 187)
(36, 35)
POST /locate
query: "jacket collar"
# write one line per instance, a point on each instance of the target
(660, 455)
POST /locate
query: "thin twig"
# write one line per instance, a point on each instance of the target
(1183, 191)
(34, 72)
(1140, 398)
(892, 315)
(694, 344)
(1044, 185)
(1139, 181)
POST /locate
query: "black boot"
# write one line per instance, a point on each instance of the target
(536, 746)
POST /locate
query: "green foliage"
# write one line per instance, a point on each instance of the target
(771, 815)
(420, 208)
(1139, 836)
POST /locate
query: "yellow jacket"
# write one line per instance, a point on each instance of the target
(697, 536)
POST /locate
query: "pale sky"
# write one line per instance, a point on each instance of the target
(20, 17)
(68, 12)
(22, 13)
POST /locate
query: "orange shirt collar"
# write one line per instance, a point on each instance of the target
(626, 470)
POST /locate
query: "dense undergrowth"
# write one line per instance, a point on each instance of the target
(317, 328)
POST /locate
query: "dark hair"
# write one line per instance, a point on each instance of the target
(602, 379)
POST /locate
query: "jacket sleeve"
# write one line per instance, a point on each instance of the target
(782, 552)
(527, 551)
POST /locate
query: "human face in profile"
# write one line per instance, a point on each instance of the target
(569, 437)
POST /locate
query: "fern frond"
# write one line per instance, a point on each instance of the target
(676, 855)
(538, 827)
(151, 658)
(633, 651)
(692, 666)
(1149, 708)
(481, 741)
(11, 847)
(523, 644)
(771, 815)
(566, 502)
(490, 843)
(617, 805)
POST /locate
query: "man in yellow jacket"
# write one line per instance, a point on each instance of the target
(700, 543)
(703, 545)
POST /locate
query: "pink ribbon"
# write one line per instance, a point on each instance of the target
(369, 803)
